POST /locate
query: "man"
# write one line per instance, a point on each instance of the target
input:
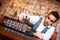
(45, 22)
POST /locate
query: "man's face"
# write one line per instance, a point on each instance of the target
(50, 19)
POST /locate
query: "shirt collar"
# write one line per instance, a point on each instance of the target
(43, 21)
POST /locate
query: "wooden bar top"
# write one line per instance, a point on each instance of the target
(13, 36)
(16, 37)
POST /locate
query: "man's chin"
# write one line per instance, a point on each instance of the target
(45, 24)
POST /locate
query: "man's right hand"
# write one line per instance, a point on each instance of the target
(23, 16)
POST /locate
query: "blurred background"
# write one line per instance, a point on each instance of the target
(12, 8)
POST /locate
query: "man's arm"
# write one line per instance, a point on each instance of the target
(32, 19)
(38, 34)
(45, 36)
(49, 33)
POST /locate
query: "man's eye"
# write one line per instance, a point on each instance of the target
(50, 19)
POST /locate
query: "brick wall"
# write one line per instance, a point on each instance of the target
(34, 7)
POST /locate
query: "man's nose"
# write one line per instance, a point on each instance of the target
(48, 21)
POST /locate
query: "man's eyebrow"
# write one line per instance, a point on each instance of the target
(50, 19)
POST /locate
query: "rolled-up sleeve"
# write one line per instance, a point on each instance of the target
(48, 34)
(33, 19)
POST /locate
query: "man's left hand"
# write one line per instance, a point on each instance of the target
(38, 34)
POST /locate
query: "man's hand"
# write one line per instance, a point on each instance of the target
(22, 16)
(39, 35)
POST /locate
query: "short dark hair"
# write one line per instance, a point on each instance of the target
(55, 14)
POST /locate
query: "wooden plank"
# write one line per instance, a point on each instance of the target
(9, 35)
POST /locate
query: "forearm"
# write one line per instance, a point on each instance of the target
(38, 34)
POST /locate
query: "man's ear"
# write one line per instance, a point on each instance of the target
(55, 24)
(46, 16)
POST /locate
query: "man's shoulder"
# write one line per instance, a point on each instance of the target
(52, 27)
